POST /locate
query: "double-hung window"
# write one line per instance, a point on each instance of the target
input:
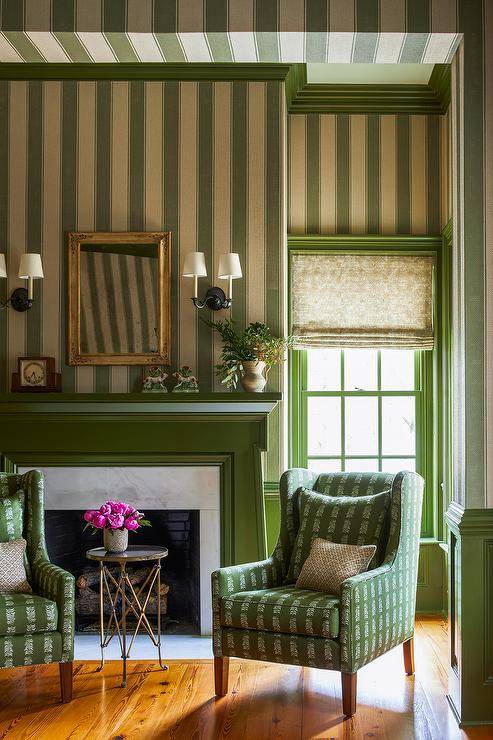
(364, 408)
(359, 409)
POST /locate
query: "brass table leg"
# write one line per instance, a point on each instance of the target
(124, 625)
(101, 614)
(130, 601)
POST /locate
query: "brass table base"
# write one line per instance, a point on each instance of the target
(133, 602)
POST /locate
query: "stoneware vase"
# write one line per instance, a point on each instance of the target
(115, 540)
(253, 378)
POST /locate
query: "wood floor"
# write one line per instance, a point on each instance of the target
(265, 701)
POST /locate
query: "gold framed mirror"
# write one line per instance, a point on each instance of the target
(119, 298)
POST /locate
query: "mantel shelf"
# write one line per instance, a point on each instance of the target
(190, 403)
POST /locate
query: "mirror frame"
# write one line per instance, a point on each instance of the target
(161, 239)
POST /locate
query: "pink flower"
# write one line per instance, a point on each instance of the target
(105, 509)
(118, 507)
(115, 521)
(99, 521)
(129, 509)
(131, 524)
(90, 514)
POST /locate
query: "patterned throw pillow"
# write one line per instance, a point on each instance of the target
(330, 563)
(13, 578)
(11, 516)
(352, 520)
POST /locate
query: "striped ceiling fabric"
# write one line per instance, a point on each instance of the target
(232, 46)
(227, 31)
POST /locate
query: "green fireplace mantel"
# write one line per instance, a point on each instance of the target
(224, 429)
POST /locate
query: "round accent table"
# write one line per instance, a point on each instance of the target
(131, 600)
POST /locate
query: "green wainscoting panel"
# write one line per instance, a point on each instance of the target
(225, 429)
(471, 614)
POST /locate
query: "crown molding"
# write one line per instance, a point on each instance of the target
(192, 71)
(303, 97)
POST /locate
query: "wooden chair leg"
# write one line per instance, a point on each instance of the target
(221, 675)
(408, 649)
(349, 693)
(66, 681)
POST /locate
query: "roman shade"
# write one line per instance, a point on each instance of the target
(362, 300)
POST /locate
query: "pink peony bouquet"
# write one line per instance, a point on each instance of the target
(115, 515)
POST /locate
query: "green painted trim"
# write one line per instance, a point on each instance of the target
(441, 82)
(471, 613)
(145, 71)
(303, 97)
(143, 399)
(345, 242)
(469, 522)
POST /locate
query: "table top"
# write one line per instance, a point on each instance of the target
(133, 554)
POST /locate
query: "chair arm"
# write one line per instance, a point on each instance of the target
(377, 613)
(245, 577)
(58, 585)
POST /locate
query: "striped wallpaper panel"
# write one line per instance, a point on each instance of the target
(200, 159)
(360, 174)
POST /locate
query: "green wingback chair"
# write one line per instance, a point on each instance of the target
(258, 616)
(39, 627)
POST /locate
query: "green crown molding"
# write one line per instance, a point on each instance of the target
(366, 242)
(303, 97)
(192, 71)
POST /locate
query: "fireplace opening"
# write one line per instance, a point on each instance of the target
(177, 530)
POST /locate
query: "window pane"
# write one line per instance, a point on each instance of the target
(325, 466)
(360, 369)
(395, 465)
(361, 465)
(397, 369)
(398, 426)
(324, 426)
(324, 369)
(361, 426)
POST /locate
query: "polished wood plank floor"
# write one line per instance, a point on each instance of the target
(265, 701)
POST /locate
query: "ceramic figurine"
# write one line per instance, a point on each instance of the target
(186, 382)
(153, 381)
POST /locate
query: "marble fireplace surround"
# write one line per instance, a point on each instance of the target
(147, 487)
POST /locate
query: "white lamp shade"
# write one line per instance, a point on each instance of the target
(194, 265)
(229, 266)
(3, 266)
(30, 266)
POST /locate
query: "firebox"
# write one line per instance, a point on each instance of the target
(178, 530)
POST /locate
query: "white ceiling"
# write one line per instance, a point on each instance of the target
(368, 74)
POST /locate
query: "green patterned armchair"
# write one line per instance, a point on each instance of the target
(39, 627)
(257, 615)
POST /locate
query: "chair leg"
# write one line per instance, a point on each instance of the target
(221, 675)
(408, 649)
(349, 693)
(66, 681)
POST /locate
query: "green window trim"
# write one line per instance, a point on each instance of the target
(432, 372)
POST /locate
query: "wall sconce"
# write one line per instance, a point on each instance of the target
(229, 269)
(30, 267)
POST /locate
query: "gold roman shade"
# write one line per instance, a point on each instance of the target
(362, 300)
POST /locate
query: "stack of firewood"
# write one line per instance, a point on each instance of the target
(87, 599)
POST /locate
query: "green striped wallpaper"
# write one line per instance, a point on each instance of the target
(368, 174)
(200, 159)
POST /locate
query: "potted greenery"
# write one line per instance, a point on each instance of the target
(248, 355)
